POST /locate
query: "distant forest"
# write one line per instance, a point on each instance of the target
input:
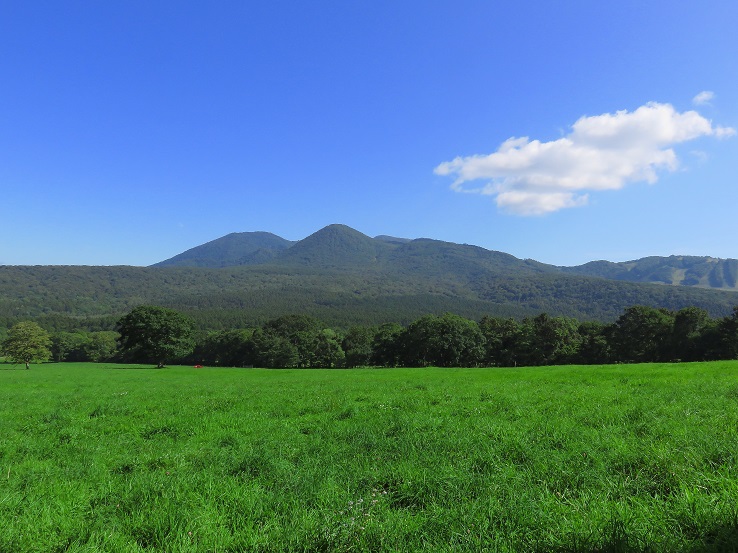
(93, 298)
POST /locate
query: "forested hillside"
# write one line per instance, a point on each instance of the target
(679, 270)
(64, 298)
(238, 248)
(341, 246)
(340, 276)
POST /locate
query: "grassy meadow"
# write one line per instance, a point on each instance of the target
(119, 458)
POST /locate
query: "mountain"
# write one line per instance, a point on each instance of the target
(344, 277)
(335, 246)
(392, 239)
(677, 270)
(339, 246)
(238, 248)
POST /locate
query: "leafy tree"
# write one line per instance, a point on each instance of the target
(69, 346)
(548, 340)
(727, 329)
(445, 341)
(642, 334)
(288, 326)
(316, 345)
(154, 334)
(386, 347)
(594, 348)
(227, 348)
(690, 325)
(101, 346)
(357, 346)
(26, 342)
(273, 350)
(502, 338)
(326, 350)
(301, 331)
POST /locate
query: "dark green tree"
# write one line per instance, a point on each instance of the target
(642, 334)
(445, 341)
(101, 346)
(594, 348)
(26, 342)
(386, 346)
(151, 334)
(326, 351)
(727, 331)
(274, 351)
(226, 348)
(548, 340)
(69, 346)
(690, 325)
(288, 326)
(357, 345)
(301, 331)
(502, 339)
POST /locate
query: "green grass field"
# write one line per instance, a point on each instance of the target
(123, 459)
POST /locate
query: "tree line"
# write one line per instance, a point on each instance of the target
(150, 334)
(640, 334)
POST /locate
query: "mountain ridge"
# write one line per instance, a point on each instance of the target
(340, 246)
(236, 248)
(344, 277)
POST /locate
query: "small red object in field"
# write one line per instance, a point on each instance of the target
(198, 366)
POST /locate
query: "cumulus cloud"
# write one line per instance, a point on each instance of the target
(602, 152)
(704, 97)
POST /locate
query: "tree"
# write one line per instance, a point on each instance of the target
(69, 346)
(273, 350)
(153, 334)
(101, 346)
(357, 345)
(690, 325)
(594, 349)
(727, 332)
(386, 347)
(26, 342)
(289, 326)
(445, 341)
(642, 334)
(227, 348)
(548, 340)
(326, 350)
(502, 340)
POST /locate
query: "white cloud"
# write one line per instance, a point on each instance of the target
(704, 97)
(602, 152)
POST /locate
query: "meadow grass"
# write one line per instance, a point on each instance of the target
(119, 458)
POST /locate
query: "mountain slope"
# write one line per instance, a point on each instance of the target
(238, 248)
(67, 298)
(678, 270)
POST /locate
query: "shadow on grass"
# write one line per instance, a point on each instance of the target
(132, 367)
(721, 538)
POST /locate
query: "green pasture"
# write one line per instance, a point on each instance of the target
(125, 459)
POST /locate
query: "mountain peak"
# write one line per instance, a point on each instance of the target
(335, 246)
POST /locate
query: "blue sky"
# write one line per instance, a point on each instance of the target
(132, 131)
